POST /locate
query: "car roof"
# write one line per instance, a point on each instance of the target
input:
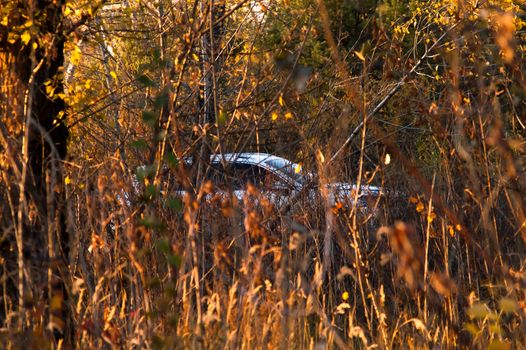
(246, 157)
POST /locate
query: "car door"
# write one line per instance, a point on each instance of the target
(272, 186)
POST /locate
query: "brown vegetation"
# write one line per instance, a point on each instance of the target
(119, 240)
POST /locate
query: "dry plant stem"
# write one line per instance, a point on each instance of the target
(105, 51)
(50, 230)
(272, 102)
(330, 222)
(28, 101)
(173, 97)
(391, 92)
(426, 254)
(193, 255)
(213, 68)
(354, 231)
(391, 145)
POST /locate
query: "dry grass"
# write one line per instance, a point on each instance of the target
(438, 263)
(217, 274)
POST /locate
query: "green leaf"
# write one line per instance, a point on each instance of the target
(145, 81)
(149, 118)
(161, 100)
(222, 118)
(174, 260)
(150, 192)
(156, 55)
(163, 245)
(144, 171)
(139, 144)
(174, 203)
(171, 159)
(149, 222)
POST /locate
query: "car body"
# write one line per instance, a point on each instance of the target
(280, 180)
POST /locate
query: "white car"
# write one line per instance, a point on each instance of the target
(280, 180)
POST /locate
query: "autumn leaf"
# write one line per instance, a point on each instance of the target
(431, 217)
(25, 37)
(360, 55)
(297, 169)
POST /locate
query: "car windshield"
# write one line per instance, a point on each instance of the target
(292, 170)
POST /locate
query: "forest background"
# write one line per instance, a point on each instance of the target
(100, 101)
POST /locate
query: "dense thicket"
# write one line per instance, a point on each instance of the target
(109, 109)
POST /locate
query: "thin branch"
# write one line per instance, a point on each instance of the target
(391, 93)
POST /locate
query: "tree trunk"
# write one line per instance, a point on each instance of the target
(34, 138)
(209, 66)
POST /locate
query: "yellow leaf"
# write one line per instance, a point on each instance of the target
(297, 168)
(431, 217)
(274, 116)
(280, 100)
(360, 55)
(471, 328)
(75, 55)
(56, 302)
(12, 38)
(508, 305)
(288, 115)
(420, 207)
(321, 157)
(478, 311)
(340, 309)
(499, 345)
(67, 180)
(25, 37)
(345, 295)
(113, 75)
(495, 328)
(194, 55)
(419, 325)
(433, 108)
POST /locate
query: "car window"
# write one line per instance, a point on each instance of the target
(217, 175)
(244, 174)
(233, 177)
(237, 175)
(287, 168)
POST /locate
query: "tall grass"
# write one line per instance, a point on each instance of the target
(214, 272)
